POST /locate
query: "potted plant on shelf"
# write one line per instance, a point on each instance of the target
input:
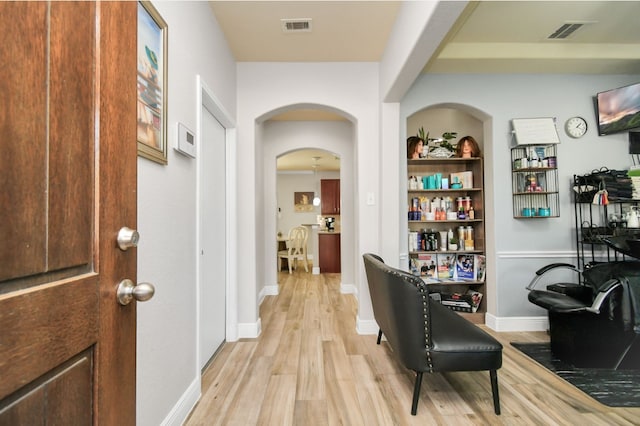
(442, 147)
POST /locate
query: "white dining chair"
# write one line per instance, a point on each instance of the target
(296, 248)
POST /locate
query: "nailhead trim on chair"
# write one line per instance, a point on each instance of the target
(425, 294)
(427, 320)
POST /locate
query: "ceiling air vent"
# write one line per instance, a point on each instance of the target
(296, 25)
(566, 29)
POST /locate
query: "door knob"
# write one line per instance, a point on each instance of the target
(127, 291)
(127, 238)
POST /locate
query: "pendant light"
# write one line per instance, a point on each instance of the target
(316, 196)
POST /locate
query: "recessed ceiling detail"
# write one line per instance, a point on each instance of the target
(296, 25)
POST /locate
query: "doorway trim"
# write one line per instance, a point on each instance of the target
(206, 99)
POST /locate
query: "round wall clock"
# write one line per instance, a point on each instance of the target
(575, 127)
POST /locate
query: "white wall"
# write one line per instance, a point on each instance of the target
(522, 246)
(168, 380)
(287, 216)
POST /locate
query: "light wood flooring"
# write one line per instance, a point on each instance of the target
(310, 367)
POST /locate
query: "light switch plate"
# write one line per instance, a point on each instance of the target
(371, 199)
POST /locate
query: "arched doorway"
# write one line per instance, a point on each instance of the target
(281, 136)
(301, 175)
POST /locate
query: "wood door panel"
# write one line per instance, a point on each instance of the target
(23, 121)
(70, 393)
(71, 134)
(28, 409)
(61, 397)
(38, 340)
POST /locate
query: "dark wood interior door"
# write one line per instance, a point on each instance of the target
(67, 185)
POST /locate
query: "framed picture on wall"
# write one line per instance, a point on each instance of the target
(152, 84)
(303, 201)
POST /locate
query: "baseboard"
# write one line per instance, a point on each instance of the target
(506, 324)
(348, 289)
(366, 327)
(183, 407)
(517, 323)
(268, 290)
(249, 330)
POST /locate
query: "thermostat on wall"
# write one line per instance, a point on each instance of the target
(186, 141)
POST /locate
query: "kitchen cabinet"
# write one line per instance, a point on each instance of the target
(329, 252)
(330, 196)
(447, 194)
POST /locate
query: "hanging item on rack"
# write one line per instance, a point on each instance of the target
(602, 196)
(616, 182)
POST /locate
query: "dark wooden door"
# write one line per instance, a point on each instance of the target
(330, 196)
(67, 185)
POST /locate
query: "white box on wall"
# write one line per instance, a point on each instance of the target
(186, 141)
(535, 131)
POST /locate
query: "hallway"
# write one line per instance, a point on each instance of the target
(309, 367)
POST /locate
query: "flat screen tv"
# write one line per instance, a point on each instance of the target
(618, 110)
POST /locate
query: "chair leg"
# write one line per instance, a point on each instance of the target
(379, 336)
(416, 393)
(494, 390)
(306, 263)
(289, 262)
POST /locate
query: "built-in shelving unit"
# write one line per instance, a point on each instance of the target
(445, 198)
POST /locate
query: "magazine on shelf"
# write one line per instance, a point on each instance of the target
(481, 267)
(449, 267)
(446, 266)
(468, 302)
(470, 267)
(465, 267)
(425, 265)
(476, 298)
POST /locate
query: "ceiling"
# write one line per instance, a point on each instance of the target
(488, 37)
(304, 160)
